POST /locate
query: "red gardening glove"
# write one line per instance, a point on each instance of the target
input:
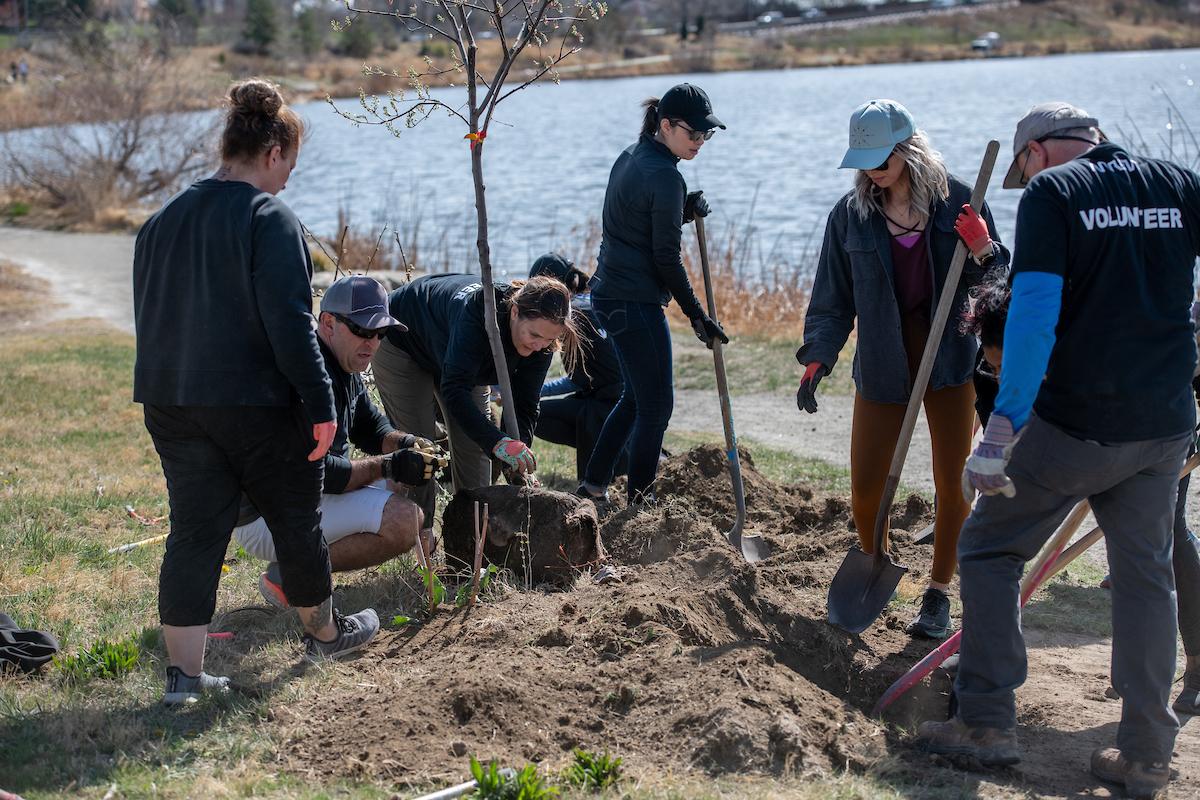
(974, 231)
(323, 432)
(806, 395)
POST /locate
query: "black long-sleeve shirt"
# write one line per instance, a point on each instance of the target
(446, 337)
(223, 305)
(642, 230)
(360, 422)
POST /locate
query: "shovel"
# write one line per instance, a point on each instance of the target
(753, 548)
(865, 583)
(1053, 560)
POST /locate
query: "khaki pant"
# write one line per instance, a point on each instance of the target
(409, 395)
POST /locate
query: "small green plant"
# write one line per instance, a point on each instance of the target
(400, 620)
(463, 595)
(434, 586)
(16, 208)
(592, 772)
(493, 783)
(101, 660)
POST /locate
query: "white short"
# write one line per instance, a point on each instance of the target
(359, 511)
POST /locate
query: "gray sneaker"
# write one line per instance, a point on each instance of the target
(354, 632)
(183, 688)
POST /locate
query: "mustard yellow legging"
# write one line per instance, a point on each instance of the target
(950, 412)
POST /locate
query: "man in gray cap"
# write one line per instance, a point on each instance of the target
(364, 519)
(1094, 404)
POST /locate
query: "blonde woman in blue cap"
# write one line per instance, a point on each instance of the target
(887, 249)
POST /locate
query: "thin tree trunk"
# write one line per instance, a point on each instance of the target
(489, 293)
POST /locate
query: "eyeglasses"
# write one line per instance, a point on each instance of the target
(1043, 140)
(694, 135)
(360, 331)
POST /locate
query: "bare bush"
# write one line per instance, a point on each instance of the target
(126, 143)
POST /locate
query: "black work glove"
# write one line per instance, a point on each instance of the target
(409, 441)
(806, 395)
(707, 330)
(694, 206)
(413, 467)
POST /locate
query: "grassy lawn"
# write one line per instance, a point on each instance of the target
(75, 454)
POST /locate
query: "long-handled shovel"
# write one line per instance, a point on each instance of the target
(1054, 559)
(865, 583)
(753, 548)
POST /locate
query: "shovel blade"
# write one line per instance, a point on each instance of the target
(861, 589)
(755, 549)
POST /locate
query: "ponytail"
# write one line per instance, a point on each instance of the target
(650, 116)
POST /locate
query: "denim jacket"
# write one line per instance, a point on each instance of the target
(855, 281)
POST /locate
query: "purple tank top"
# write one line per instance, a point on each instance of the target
(910, 268)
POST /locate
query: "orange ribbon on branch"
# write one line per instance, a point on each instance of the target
(476, 138)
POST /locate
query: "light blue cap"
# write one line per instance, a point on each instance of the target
(875, 128)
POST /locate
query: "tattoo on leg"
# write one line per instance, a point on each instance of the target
(320, 616)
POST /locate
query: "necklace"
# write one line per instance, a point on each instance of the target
(905, 228)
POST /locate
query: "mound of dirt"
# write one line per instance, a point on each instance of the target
(695, 660)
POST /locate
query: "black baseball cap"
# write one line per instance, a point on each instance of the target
(690, 104)
(552, 265)
(362, 300)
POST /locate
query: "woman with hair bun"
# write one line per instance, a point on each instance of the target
(883, 265)
(639, 271)
(234, 388)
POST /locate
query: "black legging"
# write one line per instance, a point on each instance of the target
(576, 422)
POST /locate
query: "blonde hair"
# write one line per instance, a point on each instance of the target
(927, 180)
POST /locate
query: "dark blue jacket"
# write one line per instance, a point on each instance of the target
(222, 304)
(360, 422)
(640, 258)
(854, 281)
(446, 337)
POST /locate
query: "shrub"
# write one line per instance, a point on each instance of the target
(492, 783)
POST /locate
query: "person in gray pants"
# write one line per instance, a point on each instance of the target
(1094, 403)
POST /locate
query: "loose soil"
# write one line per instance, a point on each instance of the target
(694, 661)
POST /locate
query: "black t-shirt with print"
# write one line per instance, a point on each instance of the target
(1123, 232)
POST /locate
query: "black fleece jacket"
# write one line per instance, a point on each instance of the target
(222, 304)
(639, 256)
(444, 315)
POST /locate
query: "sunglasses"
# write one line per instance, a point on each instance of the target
(360, 331)
(695, 135)
(1043, 140)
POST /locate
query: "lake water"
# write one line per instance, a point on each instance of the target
(549, 153)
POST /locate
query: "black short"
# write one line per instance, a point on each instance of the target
(210, 456)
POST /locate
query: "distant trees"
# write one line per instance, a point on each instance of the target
(261, 26)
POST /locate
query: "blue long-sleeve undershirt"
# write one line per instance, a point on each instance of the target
(560, 385)
(1028, 339)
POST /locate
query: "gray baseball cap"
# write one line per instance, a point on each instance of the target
(875, 130)
(1044, 119)
(362, 300)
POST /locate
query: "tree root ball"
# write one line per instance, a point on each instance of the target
(552, 534)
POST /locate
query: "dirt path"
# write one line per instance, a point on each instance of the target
(91, 272)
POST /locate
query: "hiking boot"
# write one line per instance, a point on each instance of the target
(354, 632)
(1188, 701)
(270, 586)
(934, 620)
(183, 688)
(587, 494)
(1142, 781)
(992, 746)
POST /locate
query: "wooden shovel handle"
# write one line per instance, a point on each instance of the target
(941, 315)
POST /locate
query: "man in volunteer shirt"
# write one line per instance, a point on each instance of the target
(1101, 292)
(363, 520)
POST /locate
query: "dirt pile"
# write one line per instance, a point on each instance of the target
(695, 660)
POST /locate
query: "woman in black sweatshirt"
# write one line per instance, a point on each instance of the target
(639, 270)
(444, 358)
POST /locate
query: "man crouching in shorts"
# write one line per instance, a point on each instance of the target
(364, 520)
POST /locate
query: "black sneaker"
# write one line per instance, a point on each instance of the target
(1188, 701)
(934, 620)
(354, 632)
(586, 494)
(183, 688)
